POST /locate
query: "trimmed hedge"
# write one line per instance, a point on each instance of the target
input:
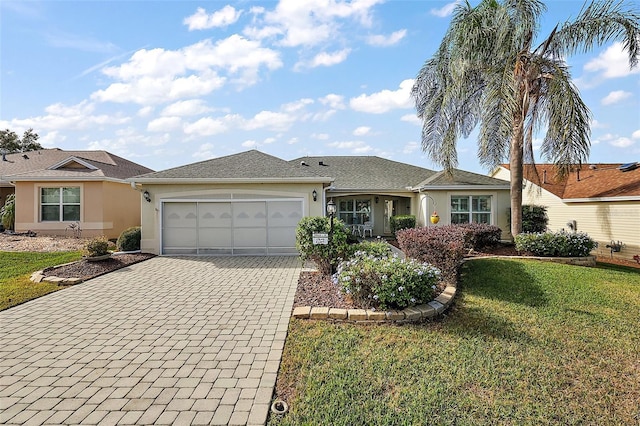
(556, 244)
(129, 239)
(481, 235)
(441, 246)
(402, 222)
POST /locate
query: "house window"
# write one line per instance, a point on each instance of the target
(60, 204)
(354, 211)
(472, 208)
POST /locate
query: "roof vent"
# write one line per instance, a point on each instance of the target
(628, 167)
(593, 167)
(321, 163)
(303, 163)
(25, 156)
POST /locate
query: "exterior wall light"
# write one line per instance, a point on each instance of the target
(315, 195)
(147, 196)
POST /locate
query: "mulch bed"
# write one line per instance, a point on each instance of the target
(85, 270)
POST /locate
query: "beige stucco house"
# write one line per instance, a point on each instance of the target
(251, 202)
(57, 190)
(602, 200)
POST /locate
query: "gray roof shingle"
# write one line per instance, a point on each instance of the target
(38, 164)
(460, 177)
(365, 173)
(249, 165)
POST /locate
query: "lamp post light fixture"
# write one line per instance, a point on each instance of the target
(331, 211)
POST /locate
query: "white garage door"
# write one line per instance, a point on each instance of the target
(230, 227)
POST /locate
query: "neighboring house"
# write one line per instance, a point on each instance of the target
(56, 189)
(251, 202)
(602, 200)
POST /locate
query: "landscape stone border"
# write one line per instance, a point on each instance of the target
(38, 277)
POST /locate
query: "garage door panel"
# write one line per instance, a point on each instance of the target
(282, 237)
(180, 241)
(179, 215)
(249, 237)
(249, 214)
(215, 238)
(216, 215)
(284, 213)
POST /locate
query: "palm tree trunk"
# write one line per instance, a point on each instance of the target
(516, 166)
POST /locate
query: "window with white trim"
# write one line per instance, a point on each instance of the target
(60, 204)
(354, 211)
(471, 209)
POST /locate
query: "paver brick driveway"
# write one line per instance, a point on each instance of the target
(165, 341)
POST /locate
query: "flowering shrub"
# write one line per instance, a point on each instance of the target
(441, 246)
(386, 282)
(558, 244)
(375, 249)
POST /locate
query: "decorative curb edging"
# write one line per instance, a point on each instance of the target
(413, 314)
(38, 277)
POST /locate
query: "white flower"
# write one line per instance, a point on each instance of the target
(400, 288)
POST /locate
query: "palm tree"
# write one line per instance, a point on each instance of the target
(487, 72)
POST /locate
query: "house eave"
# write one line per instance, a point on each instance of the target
(602, 199)
(182, 181)
(65, 179)
(460, 188)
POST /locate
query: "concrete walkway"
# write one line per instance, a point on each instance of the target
(167, 341)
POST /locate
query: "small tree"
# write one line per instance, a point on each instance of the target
(8, 212)
(324, 255)
(10, 142)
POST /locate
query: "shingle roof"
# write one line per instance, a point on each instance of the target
(250, 165)
(38, 164)
(595, 180)
(364, 173)
(461, 177)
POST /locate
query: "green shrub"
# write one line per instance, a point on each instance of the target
(386, 282)
(558, 244)
(129, 239)
(325, 256)
(534, 218)
(98, 246)
(480, 235)
(398, 223)
(8, 212)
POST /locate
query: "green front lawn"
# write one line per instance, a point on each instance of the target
(17, 267)
(525, 343)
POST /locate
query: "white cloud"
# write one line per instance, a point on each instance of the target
(204, 152)
(145, 111)
(324, 59)
(52, 139)
(126, 140)
(636, 134)
(615, 97)
(222, 18)
(333, 100)
(385, 100)
(595, 124)
(411, 118)
(206, 126)
(446, 10)
(164, 124)
(612, 63)
(622, 142)
(354, 147)
(310, 23)
(250, 144)
(186, 108)
(277, 121)
(411, 147)
(159, 75)
(390, 40)
(361, 131)
(292, 141)
(320, 136)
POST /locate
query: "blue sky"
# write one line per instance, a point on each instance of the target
(167, 83)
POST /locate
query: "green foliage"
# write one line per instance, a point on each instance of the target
(558, 244)
(129, 239)
(386, 282)
(8, 212)
(98, 246)
(534, 218)
(371, 248)
(481, 235)
(10, 142)
(325, 256)
(402, 222)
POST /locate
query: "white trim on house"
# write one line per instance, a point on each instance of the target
(72, 159)
(601, 199)
(178, 181)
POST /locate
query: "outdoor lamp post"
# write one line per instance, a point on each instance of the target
(331, 211)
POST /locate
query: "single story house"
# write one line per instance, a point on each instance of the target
(251, 202)
(602, 200)
(57, 191)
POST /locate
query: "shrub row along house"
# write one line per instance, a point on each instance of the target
(58, 191)
(602, 200)
(251, 202)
